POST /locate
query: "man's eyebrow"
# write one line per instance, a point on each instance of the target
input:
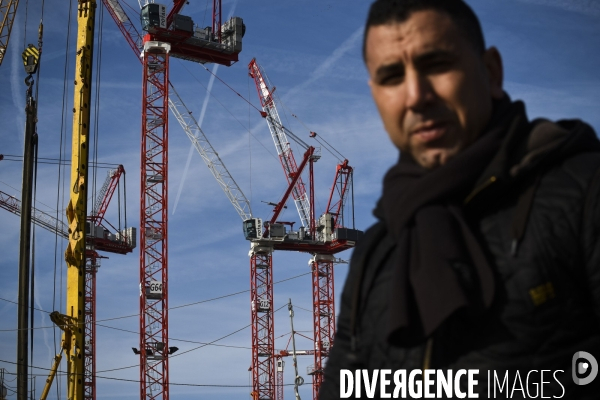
(433, 55)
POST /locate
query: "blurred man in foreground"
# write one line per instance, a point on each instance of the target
(486, 255)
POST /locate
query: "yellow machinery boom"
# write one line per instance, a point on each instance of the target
(8, 10)
(73, 321)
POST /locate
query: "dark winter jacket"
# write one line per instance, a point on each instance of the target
(536, 211)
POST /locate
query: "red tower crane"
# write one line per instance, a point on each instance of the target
(98, 239)
(263, 242)
(172, 35)
(325, 237)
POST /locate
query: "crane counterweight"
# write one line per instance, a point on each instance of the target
(220, 44)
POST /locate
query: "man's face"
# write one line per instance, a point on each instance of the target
(433, 90)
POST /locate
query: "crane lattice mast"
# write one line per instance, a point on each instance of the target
(174, 36)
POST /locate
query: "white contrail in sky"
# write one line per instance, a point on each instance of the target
(330, 61)
(191, 151)
(43, 321)
(318, 73)
(588, 7)
(323, 68)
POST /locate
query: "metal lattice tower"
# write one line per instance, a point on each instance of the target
(323, 314)
(263, 330)
(89, 374)
(154, 326)
(279, 365)
(221, 45)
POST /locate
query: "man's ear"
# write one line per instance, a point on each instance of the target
(493, 65)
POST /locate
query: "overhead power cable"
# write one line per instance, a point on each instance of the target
(302, 308)
(137, 381)
(59, 161)
(171, 308)
(195, 348)
(184, 352)
(179, 340)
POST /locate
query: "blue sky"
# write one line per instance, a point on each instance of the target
(310, 50)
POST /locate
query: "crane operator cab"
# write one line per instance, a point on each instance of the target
(253, 228)
(154, 15)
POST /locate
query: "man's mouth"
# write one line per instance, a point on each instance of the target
(429, 131)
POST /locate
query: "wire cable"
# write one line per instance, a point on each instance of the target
(32, 254)
(60, 187)
(185, 352)
(177, 339)
(137, 381)
(249, 143)
(60, 161)
(232, 89)
(316, 137)
(205, 11)
(302, 308)
(226, 109)
(171, 308)
(137, 12)
(25, 24)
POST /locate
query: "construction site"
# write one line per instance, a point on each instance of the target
(182, 185)
(182, 218)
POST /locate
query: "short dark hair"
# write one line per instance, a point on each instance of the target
(384, 12)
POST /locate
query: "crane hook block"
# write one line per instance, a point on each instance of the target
(31, 57)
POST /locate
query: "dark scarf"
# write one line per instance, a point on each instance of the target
(422, 210)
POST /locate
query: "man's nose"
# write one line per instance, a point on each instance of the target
(419, 92)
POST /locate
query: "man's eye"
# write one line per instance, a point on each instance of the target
(391, 80)
(437, 66)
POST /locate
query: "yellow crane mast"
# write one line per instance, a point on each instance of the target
(8, 10)
(73, 321)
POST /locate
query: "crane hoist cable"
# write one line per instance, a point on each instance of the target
(328, 146)
(249, 142)
(25, 313)
(95, 131)
(60, 185)
(60, 170)
(233, 90)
